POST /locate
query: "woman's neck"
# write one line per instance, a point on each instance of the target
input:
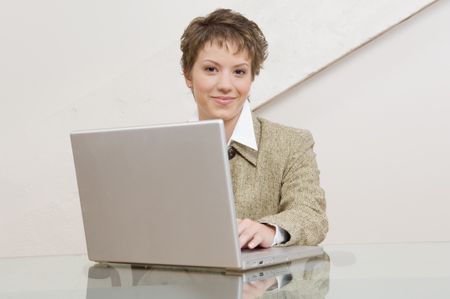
(229, 127)
(229, 124)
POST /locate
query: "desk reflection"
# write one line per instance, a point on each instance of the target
(307, 278)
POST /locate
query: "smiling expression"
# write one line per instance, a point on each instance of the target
(220, 81)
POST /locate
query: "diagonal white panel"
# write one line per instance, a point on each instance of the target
(306, 38)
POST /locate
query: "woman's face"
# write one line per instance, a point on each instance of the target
(220, 81)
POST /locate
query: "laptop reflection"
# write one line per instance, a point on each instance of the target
(306, 278)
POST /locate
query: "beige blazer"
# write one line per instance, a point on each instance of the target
(279, 183)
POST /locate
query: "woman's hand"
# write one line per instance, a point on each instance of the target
(253, 234)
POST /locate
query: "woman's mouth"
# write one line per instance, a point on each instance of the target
(223, 100)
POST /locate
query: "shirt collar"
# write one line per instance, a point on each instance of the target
(244, 132)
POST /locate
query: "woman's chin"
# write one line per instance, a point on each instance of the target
(224, 116)
(223, 113)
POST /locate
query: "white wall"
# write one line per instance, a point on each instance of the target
(381, 123)
(88, 64)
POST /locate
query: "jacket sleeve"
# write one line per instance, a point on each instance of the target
(302, 200)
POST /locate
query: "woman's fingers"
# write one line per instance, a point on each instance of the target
(247, 232)
(253, 234)
(257, 239)
(244, 225)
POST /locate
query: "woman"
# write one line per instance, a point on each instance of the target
(275, 177)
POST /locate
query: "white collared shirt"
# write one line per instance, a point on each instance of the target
(244, 133)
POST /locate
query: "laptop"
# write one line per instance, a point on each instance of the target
(162, 195)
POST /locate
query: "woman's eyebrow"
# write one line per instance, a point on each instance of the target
(211, 61)
(242, 64)
(216, 63)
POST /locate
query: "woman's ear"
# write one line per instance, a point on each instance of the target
(187, 79)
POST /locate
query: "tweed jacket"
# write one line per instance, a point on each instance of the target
(279, 183)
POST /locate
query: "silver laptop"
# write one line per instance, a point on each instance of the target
(162, 195)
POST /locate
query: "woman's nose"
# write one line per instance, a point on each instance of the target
(225, 84)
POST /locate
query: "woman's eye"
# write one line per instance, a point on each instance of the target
(240, 72)
(210, 69)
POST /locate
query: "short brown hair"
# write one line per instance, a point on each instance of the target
(222, 26)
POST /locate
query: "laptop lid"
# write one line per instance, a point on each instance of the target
(157, 195)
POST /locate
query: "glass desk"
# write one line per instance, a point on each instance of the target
(415, 270)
